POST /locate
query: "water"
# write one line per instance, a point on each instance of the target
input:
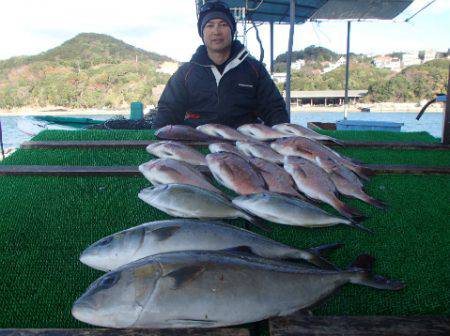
(430, 122)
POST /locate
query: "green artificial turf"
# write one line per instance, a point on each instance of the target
(46, 222)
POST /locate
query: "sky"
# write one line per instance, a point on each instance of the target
(169, 28)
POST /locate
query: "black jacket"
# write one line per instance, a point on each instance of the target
(199, 94)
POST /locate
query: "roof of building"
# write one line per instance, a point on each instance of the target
(328, 94)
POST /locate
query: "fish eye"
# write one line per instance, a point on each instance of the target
(105, 241)
(109, 281)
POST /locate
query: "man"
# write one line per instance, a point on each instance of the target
(222, 83)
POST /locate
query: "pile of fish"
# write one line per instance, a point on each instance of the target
(197, 271)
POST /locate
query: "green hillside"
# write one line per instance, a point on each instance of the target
(89, 70)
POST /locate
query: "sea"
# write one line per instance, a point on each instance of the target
(430, 122)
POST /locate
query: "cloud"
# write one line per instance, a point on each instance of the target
(169, 27)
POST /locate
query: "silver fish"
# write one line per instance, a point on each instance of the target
(182, 133)
(218, 147)
(314, 182)
(288, 210)
(222, 131)
(187, 201)
(157, 237)
(277, 179)
(259, 150)
(208, 289)
(178, 151)
(235, 173)
(298, 130)
(165, 171)
(260, 132)
(311, 150)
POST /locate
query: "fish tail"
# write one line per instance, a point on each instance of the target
(316, 255)
(375, 202)
(256, 221)
(348, 211)
(337, 142)
(362, 274)
(363, 172)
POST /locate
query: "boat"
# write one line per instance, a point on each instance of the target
(32, 125)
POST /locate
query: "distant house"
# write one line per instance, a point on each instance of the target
(298, 64)
(279, 77)
(392, 63)
(333, 66)
(325, 98)
(429, 55)
(410, 58)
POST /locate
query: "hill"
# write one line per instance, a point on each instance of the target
(89, 70)
(414, 83)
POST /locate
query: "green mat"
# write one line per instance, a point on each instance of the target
(46, 222)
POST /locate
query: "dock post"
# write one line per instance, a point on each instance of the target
(289, 57)
(446, 125)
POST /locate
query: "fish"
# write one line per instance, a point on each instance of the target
(178, 151)
(165, 171)
(188, 201)
(182, 133)
(286, 210)
(314, 182)
(152, 238)
(311, 150)
(218, 147)
(222, 131)
(260, 132)
(277, 179)
(259, 150)
(209, 289)
(298, 130)
(348, 184)
(235, 173)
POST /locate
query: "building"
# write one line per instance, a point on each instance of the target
(410, 58)
(298, 64)
(325, 98)
(429, 55)
(392, 63)
(333, 66)
(279, 77)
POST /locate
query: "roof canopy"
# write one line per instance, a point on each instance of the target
(278, 10)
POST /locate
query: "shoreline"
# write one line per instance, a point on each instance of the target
(375, 108)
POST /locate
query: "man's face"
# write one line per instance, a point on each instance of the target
(217, 35)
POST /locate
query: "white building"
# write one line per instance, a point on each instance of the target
(392, 63)
(429, 55)
(279, 77)
(410, 58)
(333, 66)
(298, 64)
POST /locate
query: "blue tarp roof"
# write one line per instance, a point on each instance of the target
(278, 10)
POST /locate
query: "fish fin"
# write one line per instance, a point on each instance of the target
(193, 323)
(377, 203)
(243, 249)
(363, 275)
(324, 250)
(337, 142)
(165, 232)
(185, 274)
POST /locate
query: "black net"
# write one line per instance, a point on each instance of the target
(120, 122)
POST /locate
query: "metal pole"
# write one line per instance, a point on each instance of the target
(289, 57)
(271, 47)
(446, 126)
(347, 63)
(1, 141)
